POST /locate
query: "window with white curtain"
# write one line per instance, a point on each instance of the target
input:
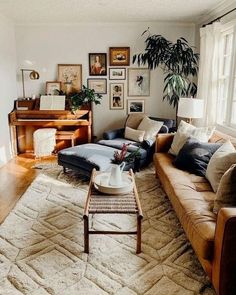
(226, 100)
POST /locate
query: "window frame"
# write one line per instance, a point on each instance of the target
(229, 28)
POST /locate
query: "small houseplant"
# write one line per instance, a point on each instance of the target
(178, 62)
(85, 97)
(81, 99)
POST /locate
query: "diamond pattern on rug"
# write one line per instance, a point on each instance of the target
(41, 244)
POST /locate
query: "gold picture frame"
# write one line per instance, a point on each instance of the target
(70, 76)
(119, 56)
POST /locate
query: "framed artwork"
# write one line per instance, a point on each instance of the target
(70, 76)
(116, 96)
(119, 56)
(138, 82)
(97, 64)
(99, 85)
(135, 106)
(52, 87)
(117, 73)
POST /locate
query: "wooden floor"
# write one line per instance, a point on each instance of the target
(15, 177)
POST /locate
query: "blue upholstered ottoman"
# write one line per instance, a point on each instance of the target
(83, 158)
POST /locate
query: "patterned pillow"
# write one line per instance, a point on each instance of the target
(186, 130)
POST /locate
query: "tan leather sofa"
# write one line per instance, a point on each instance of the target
(213, 237)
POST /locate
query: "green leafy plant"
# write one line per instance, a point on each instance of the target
(178, 62)
(85, 97)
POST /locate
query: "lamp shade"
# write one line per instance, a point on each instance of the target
(190, 108)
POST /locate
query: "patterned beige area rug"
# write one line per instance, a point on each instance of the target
(41, 245)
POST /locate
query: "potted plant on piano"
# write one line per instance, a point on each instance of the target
(83, 99)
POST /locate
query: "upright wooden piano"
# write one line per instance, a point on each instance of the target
(23, 123)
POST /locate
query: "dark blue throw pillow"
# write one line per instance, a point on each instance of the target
(195, 156)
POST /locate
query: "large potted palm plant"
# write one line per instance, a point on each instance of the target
(179, 64)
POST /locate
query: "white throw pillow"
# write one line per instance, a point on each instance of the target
(186, 130)
(150, 127)
(219, 163)
(133, 134)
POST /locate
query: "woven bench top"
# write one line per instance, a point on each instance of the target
(98, 202)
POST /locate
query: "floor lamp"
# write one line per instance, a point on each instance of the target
(33, 76)
(190, 108)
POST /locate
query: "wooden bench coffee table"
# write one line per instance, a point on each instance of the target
(99, 203)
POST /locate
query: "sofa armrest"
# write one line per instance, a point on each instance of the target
(112, 134)
(224, 260)
(164, 129)
(163, 142)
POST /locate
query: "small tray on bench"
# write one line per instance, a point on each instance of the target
(101, 183)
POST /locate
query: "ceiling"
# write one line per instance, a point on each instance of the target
(75, 11)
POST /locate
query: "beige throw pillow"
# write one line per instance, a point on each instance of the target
(226, 193)
(219, 163)
(150, 127)
(133, 134)
(186, 130)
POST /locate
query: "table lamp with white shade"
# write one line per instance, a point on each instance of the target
(190, 108)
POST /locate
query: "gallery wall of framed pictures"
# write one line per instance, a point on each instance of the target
(128, 86)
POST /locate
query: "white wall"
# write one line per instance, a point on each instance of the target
(7, 84)
(42, 47)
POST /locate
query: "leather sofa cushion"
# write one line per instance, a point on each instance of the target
(192, 199)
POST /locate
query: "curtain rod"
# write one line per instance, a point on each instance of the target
(219, 18)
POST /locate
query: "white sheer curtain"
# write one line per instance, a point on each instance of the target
(208, 72)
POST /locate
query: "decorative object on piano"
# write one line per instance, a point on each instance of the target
(85, 97)
(25, 104)
(53, 87)
(97, 64)
(33, 76)
(136, 106)
(117, 73)
(116, 96)
(138, 82)
(98, 85)
(119, 56)
(52, 102)
(70, 76)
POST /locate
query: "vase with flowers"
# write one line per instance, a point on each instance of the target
(118, 163)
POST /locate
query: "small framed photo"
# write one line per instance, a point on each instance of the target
(119, 56)
(97, 64)
(99, 85)
(70, 76)
(117, 73)
(136, 106)
(53, 87)
(138, 82)
(116, 96)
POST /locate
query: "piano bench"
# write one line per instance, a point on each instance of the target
(67, 135)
